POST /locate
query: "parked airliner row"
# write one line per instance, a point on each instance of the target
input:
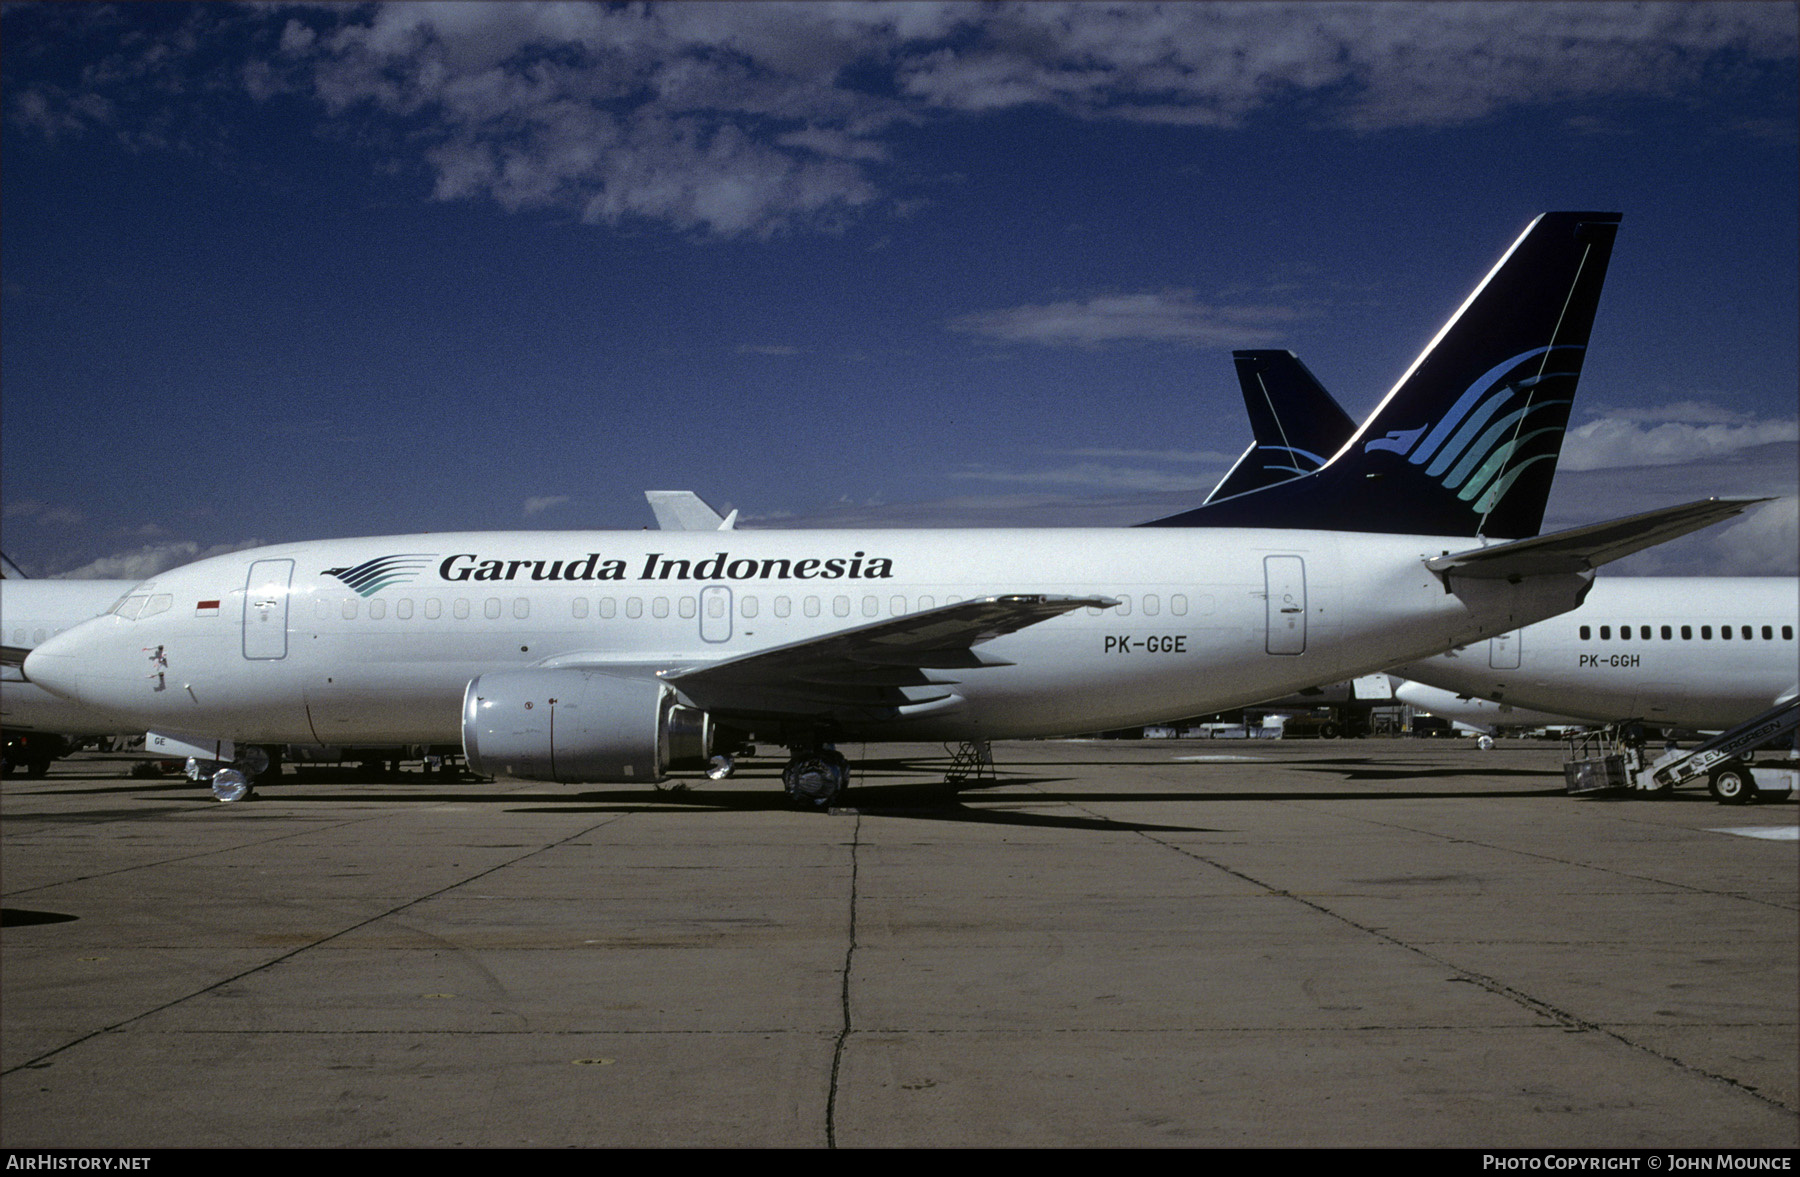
(580, 656)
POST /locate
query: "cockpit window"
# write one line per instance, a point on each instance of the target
(133, 604)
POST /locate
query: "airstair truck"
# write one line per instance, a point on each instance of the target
(1608, 760)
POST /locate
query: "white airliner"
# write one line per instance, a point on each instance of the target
(32, 612)
(1473, 713)
(36, 722)
(618, 656)
(1699, 653)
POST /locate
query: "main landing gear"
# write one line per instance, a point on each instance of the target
(815, 777)
(817, 774)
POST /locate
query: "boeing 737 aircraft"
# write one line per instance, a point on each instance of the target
(1475, 713)
(580, 656)
(31, 612)
(35, 721)
(1698, 653)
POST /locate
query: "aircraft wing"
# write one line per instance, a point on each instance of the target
(1583, 548)
(882, 668)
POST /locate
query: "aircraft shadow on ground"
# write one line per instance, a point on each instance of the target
(880, 786)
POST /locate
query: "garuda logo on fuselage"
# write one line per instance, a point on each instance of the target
(371, 576)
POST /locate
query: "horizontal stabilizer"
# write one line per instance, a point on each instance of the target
(1582, 549)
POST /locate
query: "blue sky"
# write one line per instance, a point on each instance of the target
(297, 271)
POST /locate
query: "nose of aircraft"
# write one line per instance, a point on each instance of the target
(55, 664)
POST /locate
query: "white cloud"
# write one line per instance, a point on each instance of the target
(1171, 316)
(538, 505)
(1096, 476)
(1637, 438)
(1214, 457)
(751, 119)
(144, 562)
(43, 514)
(1692, 412)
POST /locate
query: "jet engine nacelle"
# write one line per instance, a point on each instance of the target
(573, 725)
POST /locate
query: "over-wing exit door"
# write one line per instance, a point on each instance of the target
(715, 613)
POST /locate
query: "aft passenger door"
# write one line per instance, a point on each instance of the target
(1284, 584)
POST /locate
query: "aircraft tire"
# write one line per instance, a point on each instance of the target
(1731, 784)
(230, 784)
(815, 781)
(256, 762)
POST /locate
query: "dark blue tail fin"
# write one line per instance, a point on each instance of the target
(1466, 444)
(1296, 424)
